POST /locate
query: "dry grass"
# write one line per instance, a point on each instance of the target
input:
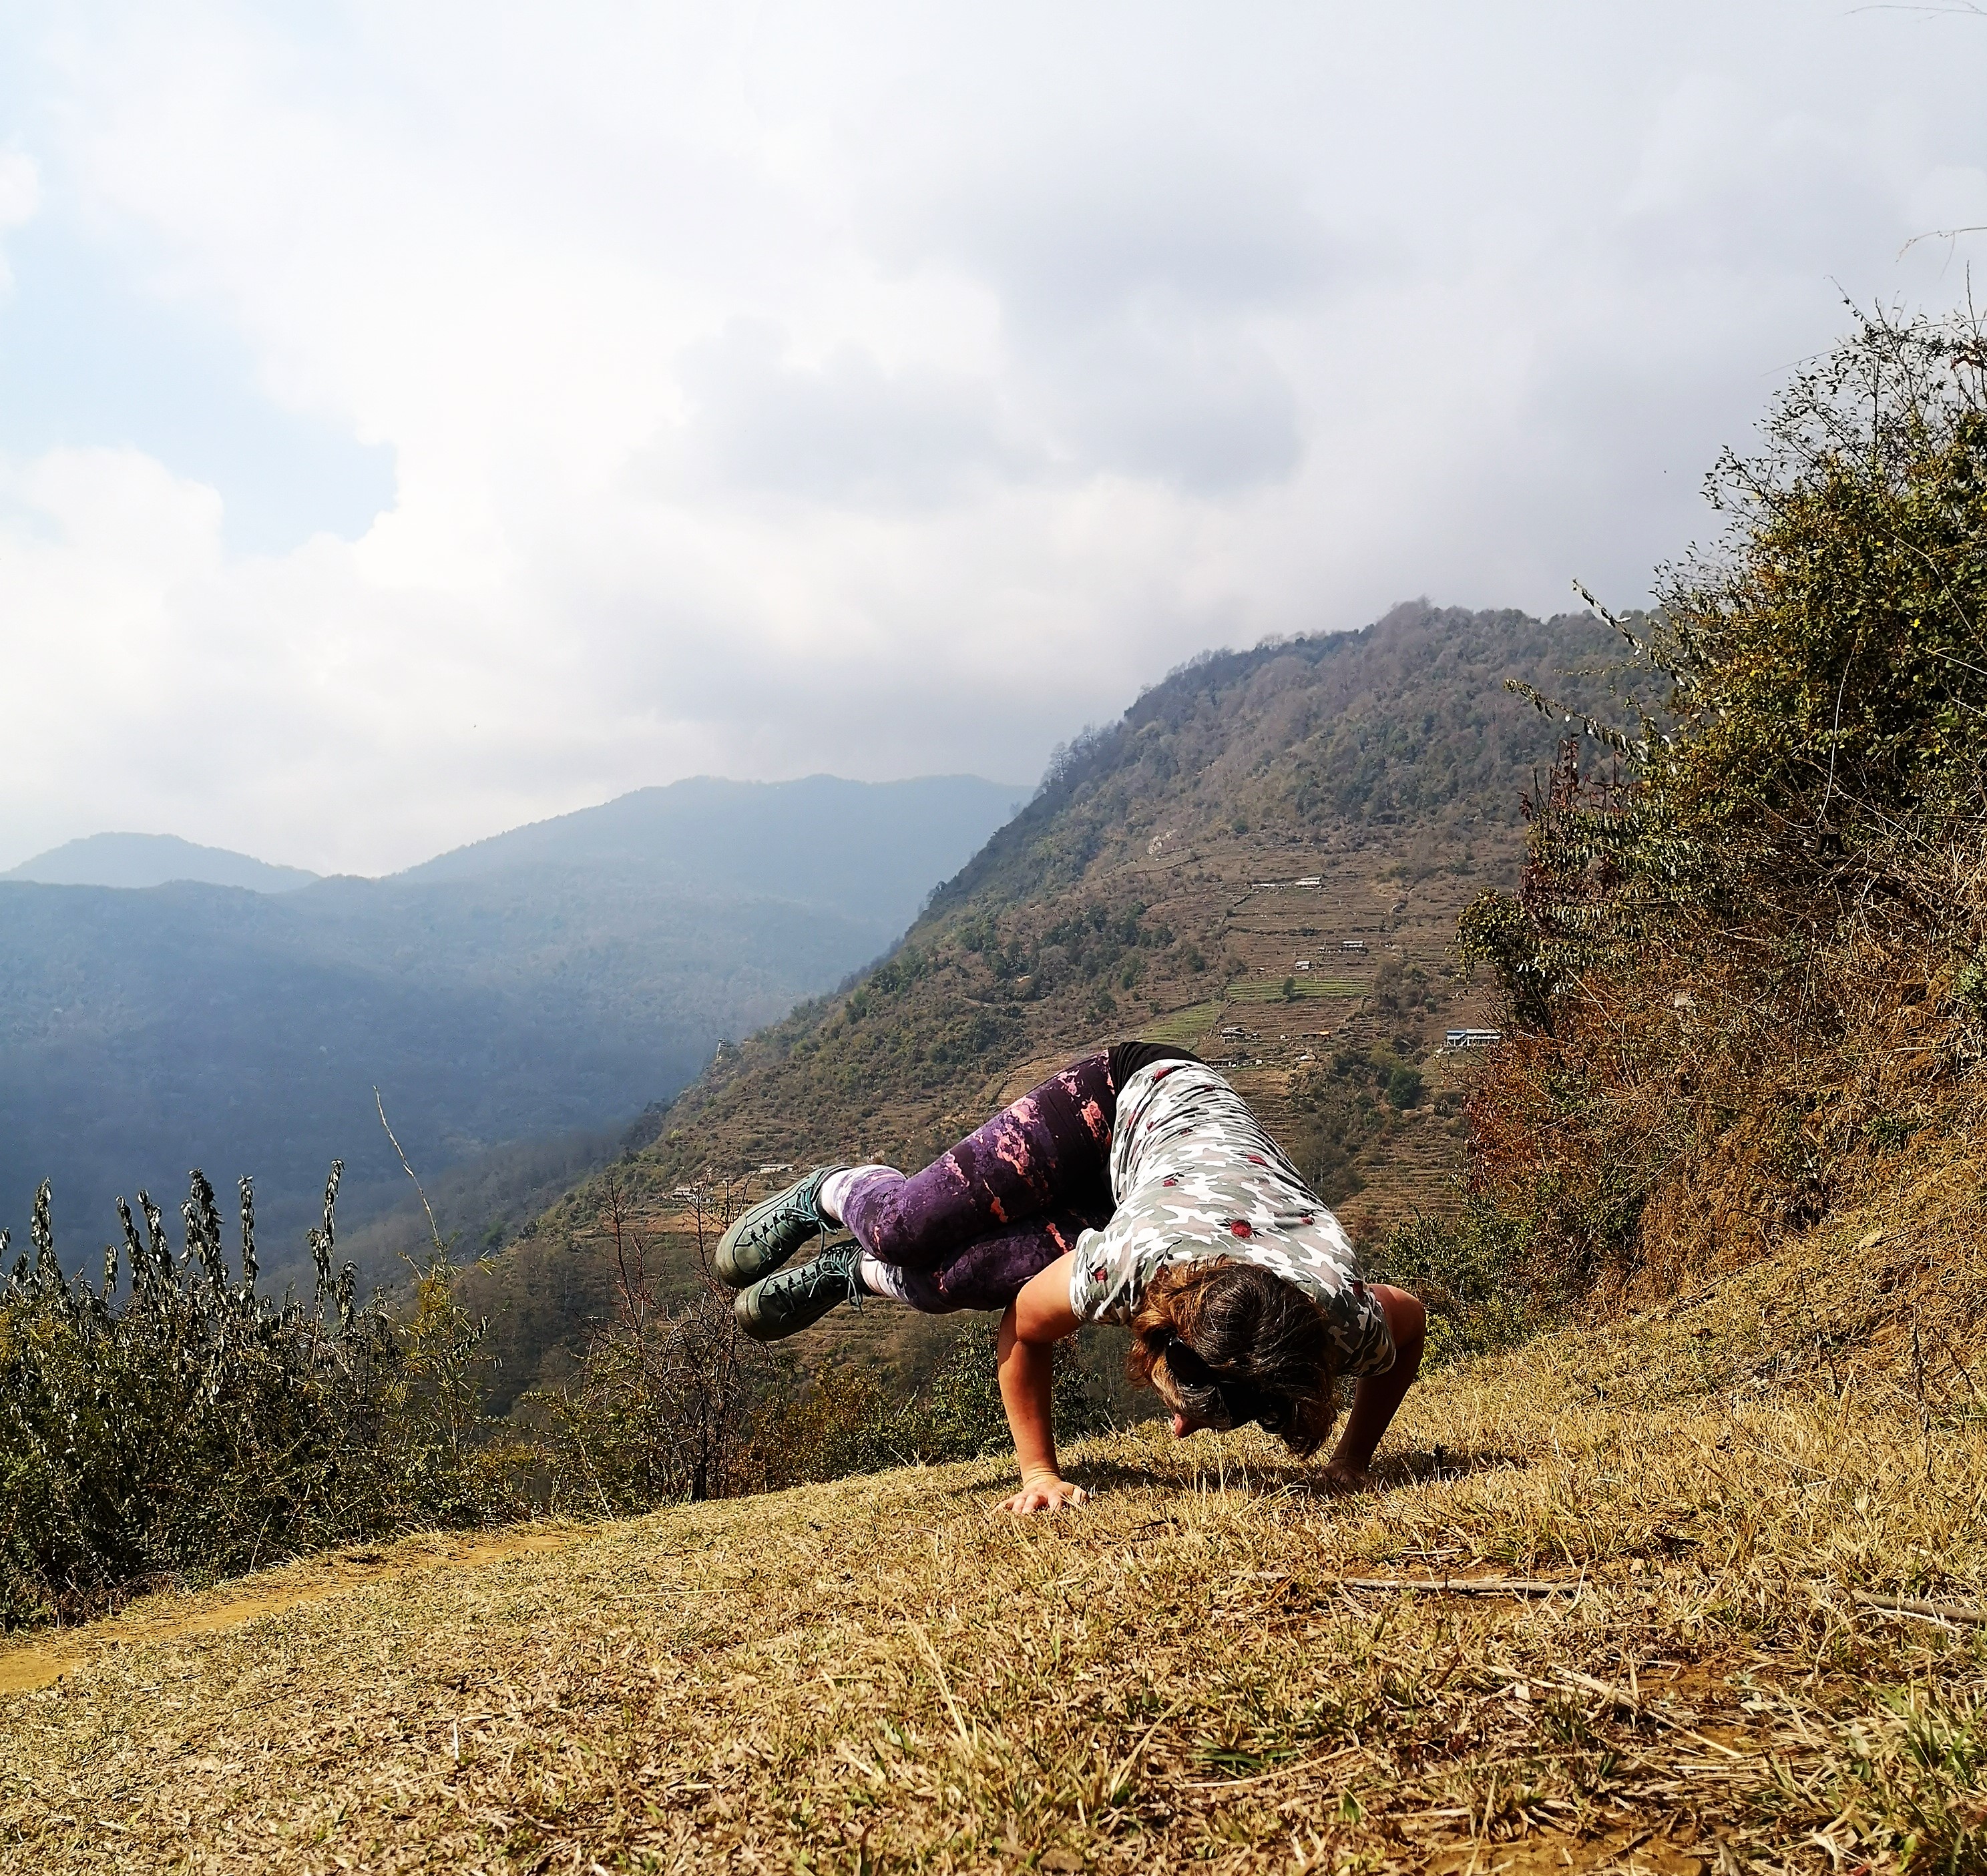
(884, 1674)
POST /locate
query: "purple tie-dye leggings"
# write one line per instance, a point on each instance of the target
(1008, 1200)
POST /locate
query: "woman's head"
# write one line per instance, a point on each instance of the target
(1225, 1342)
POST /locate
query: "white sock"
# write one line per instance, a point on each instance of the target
(835, 1188)
(879, 1278)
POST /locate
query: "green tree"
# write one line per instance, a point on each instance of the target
(1786, 845)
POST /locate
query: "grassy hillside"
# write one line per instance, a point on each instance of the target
(559, 978)
(1713, 1511)
(1263, 860)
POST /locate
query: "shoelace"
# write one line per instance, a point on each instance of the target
(847, 1251)
(799, 1204)
(856, 1292)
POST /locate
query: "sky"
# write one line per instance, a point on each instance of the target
(417, 421)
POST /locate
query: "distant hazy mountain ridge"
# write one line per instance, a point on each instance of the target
(863, 847)
(557, 980)
(141, 860)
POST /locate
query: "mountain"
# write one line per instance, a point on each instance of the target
(555, 988)
(863, 847)
(139, 860)
(1330, 802)
(1263, 860)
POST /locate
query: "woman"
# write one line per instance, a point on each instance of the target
(1134, 1187)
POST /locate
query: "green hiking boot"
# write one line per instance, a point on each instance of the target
(790, 1300)
(763, 1236)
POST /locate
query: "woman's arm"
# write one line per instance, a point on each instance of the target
(1035, 1320)
(1376, 1397)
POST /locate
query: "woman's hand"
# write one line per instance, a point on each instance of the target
(1376, 1397)
(1035, 1320)
(1046, 1492)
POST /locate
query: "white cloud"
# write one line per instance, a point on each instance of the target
(20, 187)
(843, 432)
(890, 390)
(20, 196)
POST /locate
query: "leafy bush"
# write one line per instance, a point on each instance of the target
(1472, 1274)
(1404, 1087)
(202, 1429)
(1746, 948)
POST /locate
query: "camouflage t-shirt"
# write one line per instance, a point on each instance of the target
(1194, 1176)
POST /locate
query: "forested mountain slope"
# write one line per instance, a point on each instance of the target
(1264, 859)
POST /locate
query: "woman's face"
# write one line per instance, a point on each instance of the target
(1185, 1421)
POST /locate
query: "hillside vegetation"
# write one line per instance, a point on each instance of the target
(1254, 807)
(1746, 973)
(204, 1426)
(1693, 1579)
(554, 980)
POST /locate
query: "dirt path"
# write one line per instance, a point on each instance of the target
(164, 1616)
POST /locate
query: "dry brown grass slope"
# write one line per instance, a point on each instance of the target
(1196, 1671)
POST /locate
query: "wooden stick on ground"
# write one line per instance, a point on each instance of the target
(1918, 1606)
(1630, 1702)
(1467, 1586)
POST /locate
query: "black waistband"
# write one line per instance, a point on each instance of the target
(1127, 1058)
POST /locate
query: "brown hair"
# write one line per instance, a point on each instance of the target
(1227, 1342)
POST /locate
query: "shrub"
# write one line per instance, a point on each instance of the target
(202, 1429)
(1404, 1087)
(1747, 944)
(1473, 1276)
(661, 1408)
